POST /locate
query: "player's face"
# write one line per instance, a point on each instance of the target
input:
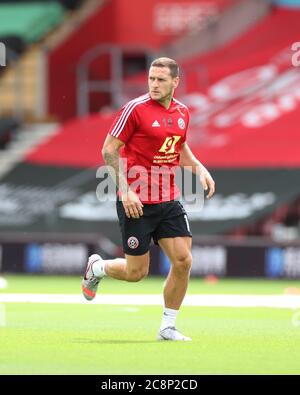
(161, 84)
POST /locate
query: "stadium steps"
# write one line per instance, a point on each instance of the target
(28, 137)
(23, 89)
(231, 23)
(19, 86)
(75, 18)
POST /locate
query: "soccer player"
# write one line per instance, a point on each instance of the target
(150, 134)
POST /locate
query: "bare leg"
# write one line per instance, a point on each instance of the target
(178, 250)
(130, 268)
(175, 289)
(116, 268)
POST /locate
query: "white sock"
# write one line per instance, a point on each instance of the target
(99, 268)
(169, 318)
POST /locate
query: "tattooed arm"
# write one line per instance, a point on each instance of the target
(110, 152)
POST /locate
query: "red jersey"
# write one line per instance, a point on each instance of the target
(153, 136)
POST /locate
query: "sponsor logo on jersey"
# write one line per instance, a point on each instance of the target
(168, 146)
(155, 124)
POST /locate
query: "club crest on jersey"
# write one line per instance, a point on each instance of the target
(133, 242)
(181, 123)
(168, 146)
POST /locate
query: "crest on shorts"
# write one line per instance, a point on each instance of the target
(133, 242)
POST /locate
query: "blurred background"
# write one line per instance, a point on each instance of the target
(69, 65)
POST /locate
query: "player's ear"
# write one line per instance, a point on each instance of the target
(176, 82)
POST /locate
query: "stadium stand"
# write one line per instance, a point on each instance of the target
(229, 23)
(68, 4)
(238, 101)
(14, 43)
(21, 25)
(7, 128)
(283, 225)
(287, 3)
(130, 31)
(244, 99)
(23, 84)
(29, 21)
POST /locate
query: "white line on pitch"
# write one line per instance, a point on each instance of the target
(273, 301)
(2, 315)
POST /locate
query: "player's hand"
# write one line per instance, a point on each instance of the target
(207, 183)
(132, 205)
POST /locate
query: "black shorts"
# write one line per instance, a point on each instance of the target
(168, 219)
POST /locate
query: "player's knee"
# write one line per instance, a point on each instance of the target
(136, 275)
(183, 263)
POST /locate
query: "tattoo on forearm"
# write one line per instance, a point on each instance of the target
(113, 161)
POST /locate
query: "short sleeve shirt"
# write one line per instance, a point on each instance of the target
(153, 136)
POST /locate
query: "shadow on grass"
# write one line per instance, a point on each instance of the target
(114, 341)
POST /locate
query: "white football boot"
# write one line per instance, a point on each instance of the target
(171, 333)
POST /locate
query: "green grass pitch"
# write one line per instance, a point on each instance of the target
(38, 338)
